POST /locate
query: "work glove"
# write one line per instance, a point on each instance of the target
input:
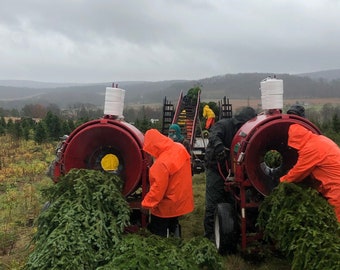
(221, 154)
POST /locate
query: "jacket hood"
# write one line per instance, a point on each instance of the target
(172, 154)
(298, 136)
(155, 143)
(297, 110)
(244, 115)
(177, 136)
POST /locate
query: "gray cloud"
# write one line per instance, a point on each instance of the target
(97, 41)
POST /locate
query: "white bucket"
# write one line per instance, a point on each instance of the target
(272, 102)
(271, 94)
(114, 101)
(271, 86)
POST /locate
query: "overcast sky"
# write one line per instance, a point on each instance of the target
(117, 40)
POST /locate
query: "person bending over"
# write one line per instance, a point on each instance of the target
(170, 194)
(318, 157)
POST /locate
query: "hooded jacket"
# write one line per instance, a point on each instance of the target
(170, 193)
(319, 157)
(177, 136)
(297, 110)
(222, 133)
(207, 112)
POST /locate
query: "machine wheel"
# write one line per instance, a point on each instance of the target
(226, 235)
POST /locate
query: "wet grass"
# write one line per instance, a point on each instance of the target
(192, 225)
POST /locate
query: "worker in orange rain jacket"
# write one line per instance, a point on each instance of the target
(319, 157)
(170, 195)
(209, 115)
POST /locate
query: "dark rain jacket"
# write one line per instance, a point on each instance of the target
(222, 133)
(170, 193)
(319, 157)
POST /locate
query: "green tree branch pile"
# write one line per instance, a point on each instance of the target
(138, 252)
(83, 228)
(303, 225)
(83, 223)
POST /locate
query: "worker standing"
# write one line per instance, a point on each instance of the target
(217, 152)
(209, 115)
(170, 195)
(318, 157)
(176, 135)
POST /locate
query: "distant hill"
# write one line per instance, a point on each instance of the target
(327, 75)
(16, 94)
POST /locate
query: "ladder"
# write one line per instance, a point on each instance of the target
(168, 115)
(226, 109)
(187, 116)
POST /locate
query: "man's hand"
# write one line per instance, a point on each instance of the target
(221, 156)
(221, 153)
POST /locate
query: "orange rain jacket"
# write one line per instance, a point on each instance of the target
(170, 193)
(319, 157)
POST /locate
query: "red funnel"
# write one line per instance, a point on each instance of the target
(91, 143)
(254, 139)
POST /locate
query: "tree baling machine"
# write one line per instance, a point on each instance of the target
(109, 144)
(259, 155)
(253, 175)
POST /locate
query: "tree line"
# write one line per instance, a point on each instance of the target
(46, 124)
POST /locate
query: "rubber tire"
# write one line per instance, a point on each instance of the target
(225, 228)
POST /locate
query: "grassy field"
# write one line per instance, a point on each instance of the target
(22, 176)
(192, 225)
